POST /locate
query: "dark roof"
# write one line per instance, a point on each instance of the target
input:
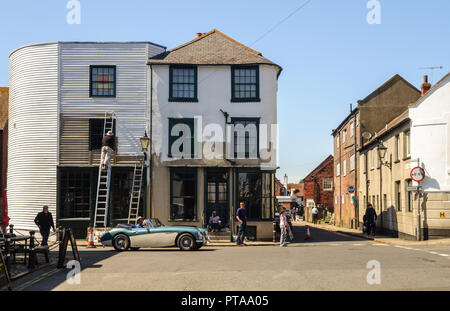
(320, 166)
(212, 48)
(333, 132)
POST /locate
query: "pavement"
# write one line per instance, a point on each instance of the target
(380, 238)
(331, 260)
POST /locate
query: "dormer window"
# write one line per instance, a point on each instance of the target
(183, 83)
(245, 84)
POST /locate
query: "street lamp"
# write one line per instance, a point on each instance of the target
(145, 142)
(382, 149)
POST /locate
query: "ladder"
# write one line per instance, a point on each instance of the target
(104, 181)
(135, 195)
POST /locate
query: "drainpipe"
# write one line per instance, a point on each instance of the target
(356, 176)
(151, 143)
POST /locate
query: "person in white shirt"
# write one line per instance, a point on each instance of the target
(214, 222)
(315, 214)
(283, 227)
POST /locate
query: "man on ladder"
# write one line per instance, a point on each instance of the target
(107, 149)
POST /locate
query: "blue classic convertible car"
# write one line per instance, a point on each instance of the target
(154, 235)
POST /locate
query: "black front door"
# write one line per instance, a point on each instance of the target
(217, 195)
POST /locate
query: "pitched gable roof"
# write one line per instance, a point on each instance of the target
(321, 166)
(430, 91)
(386, 86)
(4, 98)
(212, 48)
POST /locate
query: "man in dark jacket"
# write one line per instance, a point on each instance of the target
(44, 221)
(370, 219)
(107, 149)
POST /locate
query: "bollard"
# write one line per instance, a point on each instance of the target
(32, 255)
(11, 230)
(274, 225)
(60, 234)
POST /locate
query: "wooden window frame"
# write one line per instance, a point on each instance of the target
(114, 82)
(183, 99)
(249, 99)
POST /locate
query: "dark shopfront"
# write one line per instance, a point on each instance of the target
(77, 189)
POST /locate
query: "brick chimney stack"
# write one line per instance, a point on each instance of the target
(425, 85)
(198, 35)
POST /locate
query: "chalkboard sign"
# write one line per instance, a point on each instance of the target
(5, 281)
(66, 237)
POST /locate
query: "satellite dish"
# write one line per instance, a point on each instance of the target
(366, 135)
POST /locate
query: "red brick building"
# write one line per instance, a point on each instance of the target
(318, 186)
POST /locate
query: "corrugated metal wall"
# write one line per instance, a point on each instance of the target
(33, 128)
(131, 98)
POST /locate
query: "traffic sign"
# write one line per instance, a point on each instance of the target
(417, 174)
(412, 188)
(351, 189)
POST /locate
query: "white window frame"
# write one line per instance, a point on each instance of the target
(344, 168)
(352, 163)
(344, 134)
(327, 182)
(352, 129)
(407, 143)
(338, 169)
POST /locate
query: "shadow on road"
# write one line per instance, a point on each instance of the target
(319, 235)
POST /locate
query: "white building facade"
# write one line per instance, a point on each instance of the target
(430, 149)
(61, 91)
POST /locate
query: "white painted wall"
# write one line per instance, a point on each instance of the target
(430, 136)
(130, 103)
(214, 93)
(33, 133)
(52, 78)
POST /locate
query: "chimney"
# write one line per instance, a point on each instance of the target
(199, 34)
(425, 85)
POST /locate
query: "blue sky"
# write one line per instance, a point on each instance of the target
(331, 56)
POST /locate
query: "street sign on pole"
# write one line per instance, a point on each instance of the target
(351, 189)
(413, 188)
(417, 174)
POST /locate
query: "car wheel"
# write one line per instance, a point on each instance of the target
(121, 242)
(186, 242)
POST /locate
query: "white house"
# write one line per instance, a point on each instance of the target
(209, 87)
(430, 148)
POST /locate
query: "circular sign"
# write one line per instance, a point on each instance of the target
(417, 174)
(351, 189)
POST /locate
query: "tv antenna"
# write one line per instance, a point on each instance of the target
(432, 70)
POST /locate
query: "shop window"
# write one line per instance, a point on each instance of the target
(255, 188)
(183, 194)
(122, 182)
(74, 193)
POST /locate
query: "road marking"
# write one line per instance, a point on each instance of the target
(380, 244)
(32, 282)
(357, 244)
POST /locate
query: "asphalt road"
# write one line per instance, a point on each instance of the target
(329, 261)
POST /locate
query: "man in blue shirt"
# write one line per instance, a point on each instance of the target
(241, 216)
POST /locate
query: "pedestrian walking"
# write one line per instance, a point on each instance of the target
(283, 227)
(107, 149)
(241, 216)
(315, 215)
(44, 221)
(370, 218)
